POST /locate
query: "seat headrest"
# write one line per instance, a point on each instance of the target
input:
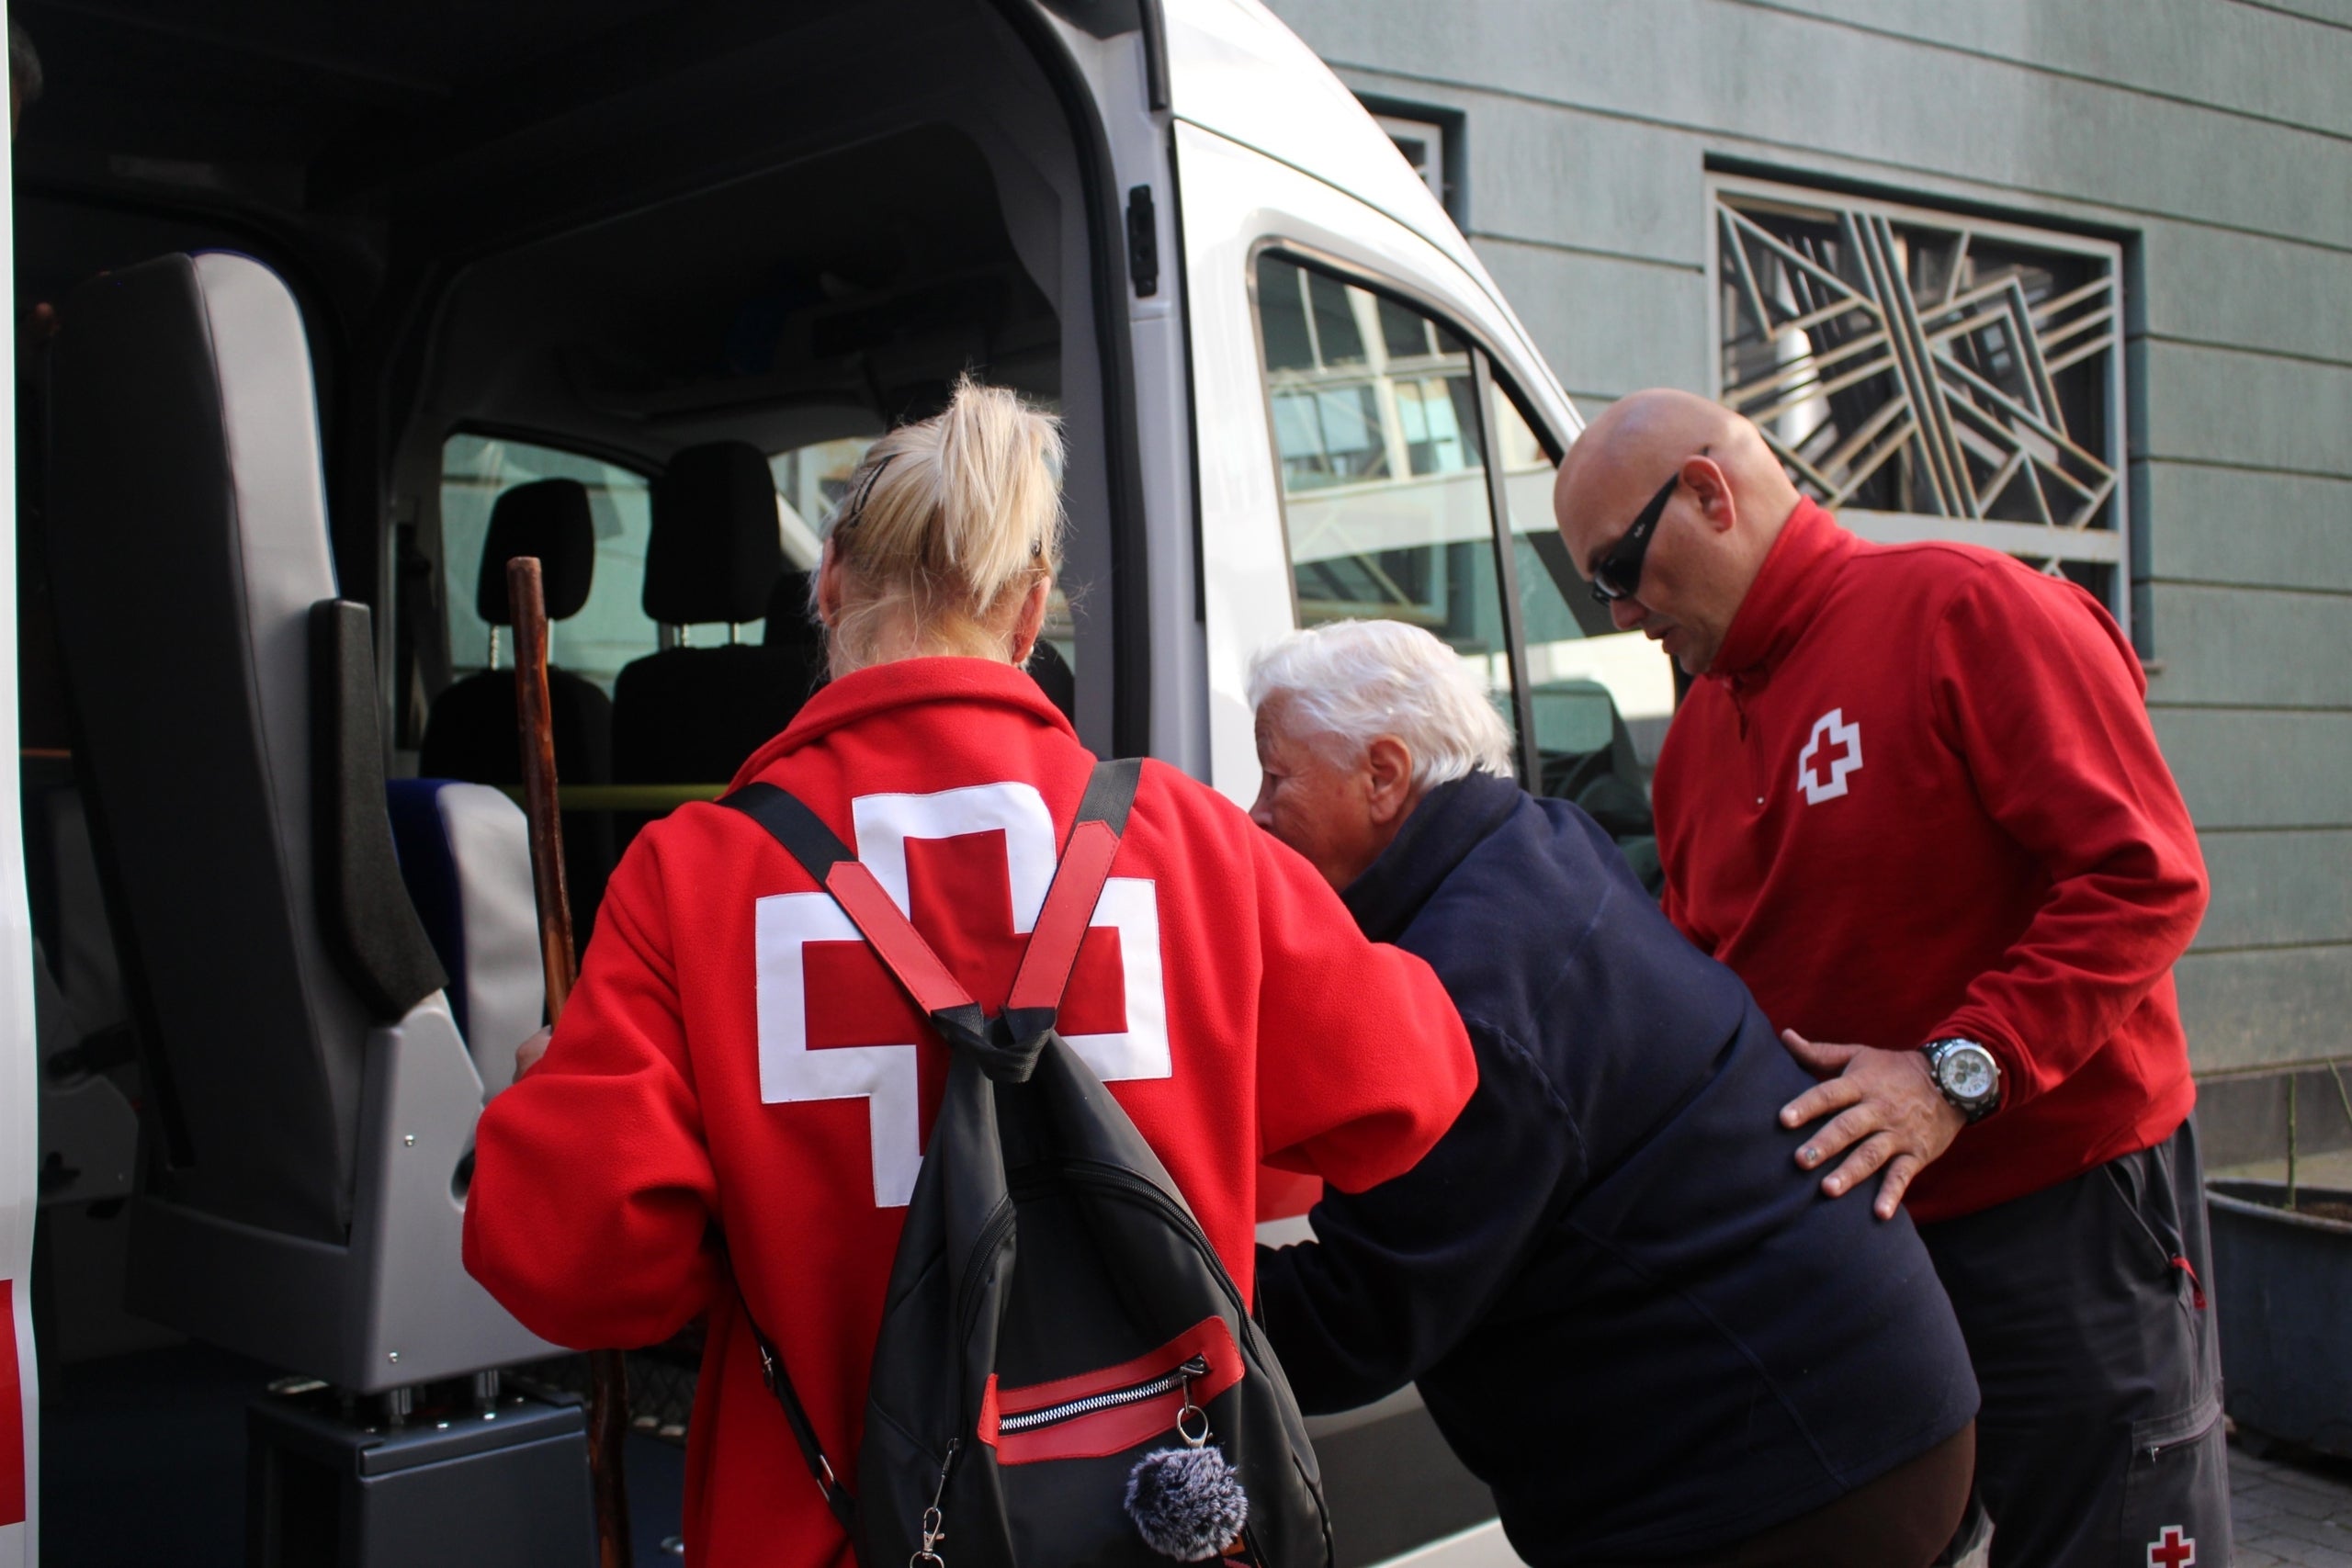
(548, 519)
(716, 545)
(789, 624)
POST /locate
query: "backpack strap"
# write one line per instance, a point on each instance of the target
(893, 937)
(1060, 931)
(804, 1431)
(1045, 964)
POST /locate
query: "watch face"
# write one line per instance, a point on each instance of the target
(1967, 1073)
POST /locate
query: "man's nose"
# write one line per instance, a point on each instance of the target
(1260, 812)
(1627, 613)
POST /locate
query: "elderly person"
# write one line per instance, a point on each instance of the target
(730, 1114)
(1915, 800)
(1628, 1311)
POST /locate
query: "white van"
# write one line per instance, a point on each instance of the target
(317, 307)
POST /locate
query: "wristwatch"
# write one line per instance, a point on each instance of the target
(1967, 1074)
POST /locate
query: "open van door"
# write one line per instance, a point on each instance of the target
(19, 1090)
(1375, 436)
(1376, 429)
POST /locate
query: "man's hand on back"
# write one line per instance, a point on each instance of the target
(1889, 1113)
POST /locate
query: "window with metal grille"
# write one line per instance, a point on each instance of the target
(1926, 374)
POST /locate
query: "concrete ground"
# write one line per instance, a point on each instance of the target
(2287, 1514)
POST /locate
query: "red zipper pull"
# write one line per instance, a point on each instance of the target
(2196, 1286)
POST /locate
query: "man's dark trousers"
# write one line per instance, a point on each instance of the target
(2088, 1311)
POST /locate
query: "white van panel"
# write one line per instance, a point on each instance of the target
(1235, 69)
(1235, 200)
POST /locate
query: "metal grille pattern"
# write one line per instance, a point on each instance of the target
(1927, 374)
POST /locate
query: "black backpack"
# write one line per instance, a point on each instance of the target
(1065, 1375)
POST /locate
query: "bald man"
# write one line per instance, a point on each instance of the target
(1913, 800)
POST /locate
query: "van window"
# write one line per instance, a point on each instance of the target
(1376, 426)
(809, 482)
(611, 629)
(1584, 677)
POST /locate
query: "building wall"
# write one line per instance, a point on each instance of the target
(2214, 135)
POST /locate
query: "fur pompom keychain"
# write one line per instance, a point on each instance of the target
(1187, 1503)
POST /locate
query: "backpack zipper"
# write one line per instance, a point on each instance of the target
(1109, 1399)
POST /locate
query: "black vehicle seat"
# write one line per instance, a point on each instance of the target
(792, 635)
(471, 733)
(692, 715)
(308, 1102)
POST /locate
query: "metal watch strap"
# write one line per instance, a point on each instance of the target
(1937, 1050)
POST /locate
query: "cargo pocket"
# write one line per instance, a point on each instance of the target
(2177, 1491)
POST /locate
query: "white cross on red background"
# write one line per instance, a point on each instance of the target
(970, 868)
(1844, 756)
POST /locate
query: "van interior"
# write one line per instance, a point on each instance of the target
(625, 286)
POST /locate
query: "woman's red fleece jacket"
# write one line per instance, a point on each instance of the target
(737, 1082)
(1918, 795)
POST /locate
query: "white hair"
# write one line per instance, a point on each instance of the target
(1350, 681)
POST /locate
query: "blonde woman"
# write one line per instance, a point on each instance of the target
(735, 1073)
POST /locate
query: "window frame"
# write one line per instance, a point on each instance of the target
(1488, 377)
(2110, 546)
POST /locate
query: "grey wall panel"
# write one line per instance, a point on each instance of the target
(2252, 1009)
(2334, 13)
(2235, 57)
(2218, 286)
(2243, 410)
(1606, 326)
(2251, 647)
(1792, 84)
(1544, 172)
(2232, 525)
(2242, 768)
(2278, 889)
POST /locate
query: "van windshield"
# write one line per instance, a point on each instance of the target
(613, 628)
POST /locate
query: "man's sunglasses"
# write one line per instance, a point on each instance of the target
(1618, 573)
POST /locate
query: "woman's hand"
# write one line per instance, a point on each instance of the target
(527, 1054)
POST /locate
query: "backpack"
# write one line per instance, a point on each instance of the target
(1065, 1374)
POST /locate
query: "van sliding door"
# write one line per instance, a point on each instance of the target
(1342, 456)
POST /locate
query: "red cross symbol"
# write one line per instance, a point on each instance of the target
(969, 866)
(2172, 1550)
(961, 894)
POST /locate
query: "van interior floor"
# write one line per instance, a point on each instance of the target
(142, 1460)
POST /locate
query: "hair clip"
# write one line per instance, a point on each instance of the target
(847, 517)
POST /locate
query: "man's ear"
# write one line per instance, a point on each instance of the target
(1388, 779)
(1711, 488)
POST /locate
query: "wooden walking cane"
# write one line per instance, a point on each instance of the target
(607, 1371)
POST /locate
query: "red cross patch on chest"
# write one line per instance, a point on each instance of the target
(2172, 1550)
(970, 868)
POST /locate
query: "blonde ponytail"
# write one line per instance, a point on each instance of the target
(944, 529)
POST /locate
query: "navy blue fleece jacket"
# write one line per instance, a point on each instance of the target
(1629, 1312)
